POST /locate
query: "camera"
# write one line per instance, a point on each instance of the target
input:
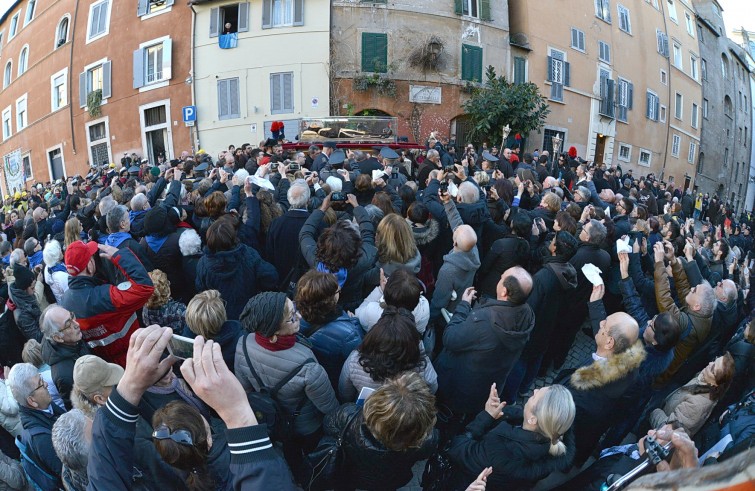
(444, 187)
(274, 166)
(449, 168)
(295, 167)
(338, 197)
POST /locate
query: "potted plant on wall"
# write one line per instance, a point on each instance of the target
(94, 103)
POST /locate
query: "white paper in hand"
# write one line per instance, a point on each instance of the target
(592, 273)
(377, 174)
(608, 211)
(263, 183)
(622, 245)
(453, 190)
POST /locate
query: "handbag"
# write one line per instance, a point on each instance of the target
(438, 472)
(324, 462)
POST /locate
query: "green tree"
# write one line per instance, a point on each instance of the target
(499, 102)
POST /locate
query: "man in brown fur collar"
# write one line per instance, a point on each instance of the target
(598, 385)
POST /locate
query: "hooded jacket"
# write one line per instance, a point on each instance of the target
(62, 358)
(27, 312)
(549, 287)
(480, 346)
(503, 254)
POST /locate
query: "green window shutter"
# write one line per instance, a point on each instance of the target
(458, 9)
(520, 66)
(484, 9)
(471, 63)
(374, 52)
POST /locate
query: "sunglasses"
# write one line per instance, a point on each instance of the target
(182, 437)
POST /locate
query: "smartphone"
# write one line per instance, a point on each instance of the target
(274, 166)
(363, 395)
(338, 197)
(449, 168)
(181, 347)
(294, 167)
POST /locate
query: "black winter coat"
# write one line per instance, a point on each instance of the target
(41, 449)
(62, 358)
(168, 259)
(368, 464)
(480, 346)
(503, 254)
(519, 457)
(282, 248)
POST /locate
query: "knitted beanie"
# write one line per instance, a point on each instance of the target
(263, 313)
(23, 276)
(155, 221)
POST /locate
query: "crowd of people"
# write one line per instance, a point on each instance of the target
(330, 318)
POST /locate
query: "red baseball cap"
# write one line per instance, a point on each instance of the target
(78, 255)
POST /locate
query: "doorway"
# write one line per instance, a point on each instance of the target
(687, 181)
(56, 164)
(156, 144)
(600, 148)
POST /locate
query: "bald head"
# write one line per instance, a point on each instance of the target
(622, 332)
(608, 195)
(515, 286)
(465, 238)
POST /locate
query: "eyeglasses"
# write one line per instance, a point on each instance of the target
(42, 383)
(69, 323)
(294, 313)
(182, 437)
(651, 324)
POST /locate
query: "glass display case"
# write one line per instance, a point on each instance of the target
(349, 129)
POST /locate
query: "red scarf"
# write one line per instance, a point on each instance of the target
(282, 342)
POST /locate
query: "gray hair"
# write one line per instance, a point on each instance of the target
(189, 242)
(597, 232)
(16, 256)
(52, 253)
(115, 217)
(69, 440)
(139, 202)
(360, 156)
(29, 245)
(19, 381)
(432, 153)
(106, 204)
(469, 192)
(336, 185)
(5, 247)
(47, 326)
(298, 195)
(584, 192)
(241, 176)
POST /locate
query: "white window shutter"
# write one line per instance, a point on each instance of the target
(138, 68)
(234, 103)
(142, 7)
(298, 12)
(243, 17)
(107, 80)
(167, 59)
(83, 91)
(222, 99)
(266, 14)
(275, 93)
(214, 22)
(288, 92)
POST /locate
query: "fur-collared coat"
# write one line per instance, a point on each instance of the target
(597, 389)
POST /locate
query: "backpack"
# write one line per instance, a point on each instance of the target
(266, 406)
(38, 478)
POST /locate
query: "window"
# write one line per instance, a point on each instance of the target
(662, 116)
(675, 144)
(725, 65)
(690, 24)
(740, 100)
(98, 142)
(375, 52)
(604, 52)
(59, 90)
(625, 152)
(693, 66)
(745, 140)
(280, 13)
(645, 157)
(662, 42)
(7, 127)
(1, 42)
(695, 111)
(624, 22)
(26, 162)
(229, 103)
(607, 91)
(95, 77)
(235, 18)
(281, 93)
(672, 11)
(664, 77)
(472, 8)
(558, 74)
(22, 119)
(7, 74)
(625, 96)
(705, 108)
(678, 57)
(700, 34)
(471, 63)
(700, 163)
(577, 39)
(62, 32)
(652, 109)
(548, 135)
(704, 69)
(99, 20)
(679, 106)
(30, 8)
(727, 106)
(726, 157)
(520, 70)
(13, 27)
(603, 10)
(691, 153)
(745, 105)
(23, 60)
(152, 63)
(716, 10)
(147, 7)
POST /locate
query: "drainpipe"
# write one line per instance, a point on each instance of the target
(668, 95)
(194, 129)
(72, 29)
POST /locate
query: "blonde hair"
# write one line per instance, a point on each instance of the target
(482, 178)
(205, 314)
(401, 413)
(32, 353)
(161, 294)
(555, 414)
(642, 226)
(395, 240)
(72, 231)
(552, 202)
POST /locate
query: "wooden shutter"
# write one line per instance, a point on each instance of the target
(287, 82)
(266, 14)
(648, 102)
(223, 108)
(142, 8)
(298, 12)
(243, 17)
(234, 99)
(550, 69)
(471, 63)
(477, 64)
(214, 22)
(610, 97)
(520, 67)
(138, 68)
(484, 9)
(168, 3)
(630, 95)
(567, 74)
(374, 52)
(107, 80)
(657, 107)
(167, 59)
(83, 92)
(275, 93)
(458, 7)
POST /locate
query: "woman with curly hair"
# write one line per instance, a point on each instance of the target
(334, 334)
(396, 248)
(269, 210)
(72, 231)
(160, 309)
(390, 348)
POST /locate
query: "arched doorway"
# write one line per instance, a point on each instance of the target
(371, 112)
